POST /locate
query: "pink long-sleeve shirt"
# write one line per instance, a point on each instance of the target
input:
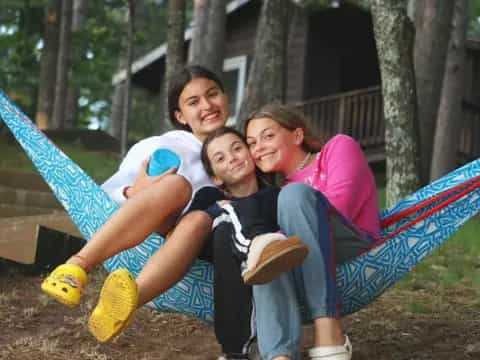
(341, 172)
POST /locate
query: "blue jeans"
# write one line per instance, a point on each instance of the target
(306, 213)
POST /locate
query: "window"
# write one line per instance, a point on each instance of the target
(234, 79)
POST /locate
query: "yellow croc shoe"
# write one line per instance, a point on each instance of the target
(65, 284)
(116, 306)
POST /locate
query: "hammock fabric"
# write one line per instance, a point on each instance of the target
(411, 230)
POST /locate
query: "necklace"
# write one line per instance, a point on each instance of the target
(303, 163)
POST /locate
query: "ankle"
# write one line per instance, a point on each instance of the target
(328, 332)
(79, 261)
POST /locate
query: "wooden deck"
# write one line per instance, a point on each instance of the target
(359, 113)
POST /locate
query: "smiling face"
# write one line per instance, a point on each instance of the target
(203, 106)
(230, 161)
(273, 147)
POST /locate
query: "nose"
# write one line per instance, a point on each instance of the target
(205, 103)
(256, 148)
(231, 158)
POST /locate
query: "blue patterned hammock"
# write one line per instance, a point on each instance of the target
(412, 229)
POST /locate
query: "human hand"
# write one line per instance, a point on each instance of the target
(144, 181)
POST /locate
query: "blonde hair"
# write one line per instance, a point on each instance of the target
(289, 118)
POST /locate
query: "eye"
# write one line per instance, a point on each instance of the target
(213, 93)
(192, 102)
(269, 136)
(219, 159)
(251, 143)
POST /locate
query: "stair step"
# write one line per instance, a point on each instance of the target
(14, 210)
(20, 180)
(25, 197)
(19, 236)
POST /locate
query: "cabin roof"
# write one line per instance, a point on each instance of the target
(161, 50)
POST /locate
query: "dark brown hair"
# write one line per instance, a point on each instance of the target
(178, 83)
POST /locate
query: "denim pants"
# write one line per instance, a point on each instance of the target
(331, 239)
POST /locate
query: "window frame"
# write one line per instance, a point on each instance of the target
(238, 63)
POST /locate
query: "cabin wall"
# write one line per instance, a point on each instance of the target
(341, 53)
(241, 31)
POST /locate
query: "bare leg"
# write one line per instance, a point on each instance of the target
(121, 295)
(328, 332)
(155, 208)
(172, 260)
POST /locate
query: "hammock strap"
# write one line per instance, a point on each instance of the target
(471, 187)
(421, 205)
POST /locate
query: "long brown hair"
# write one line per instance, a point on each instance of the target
(289, 118)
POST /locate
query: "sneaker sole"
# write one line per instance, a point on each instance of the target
(281, 262)
(116, 306)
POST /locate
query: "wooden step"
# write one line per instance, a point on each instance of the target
(27, 197)
(19, 236)
(21, 180)
(14, 210)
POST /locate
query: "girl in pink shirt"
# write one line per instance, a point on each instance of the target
(329, 201)
(341, 173)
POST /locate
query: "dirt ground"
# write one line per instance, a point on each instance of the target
(422, 324)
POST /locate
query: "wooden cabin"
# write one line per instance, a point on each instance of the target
(332, 72)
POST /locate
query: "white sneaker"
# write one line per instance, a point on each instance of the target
(340, 352)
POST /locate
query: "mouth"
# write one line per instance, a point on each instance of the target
(264, 157)
(238, 166)
(211, 117)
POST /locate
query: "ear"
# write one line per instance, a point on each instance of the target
(299, 136)
(217, 181)
(180, 118)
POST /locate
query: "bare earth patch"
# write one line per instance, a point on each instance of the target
(423, 324)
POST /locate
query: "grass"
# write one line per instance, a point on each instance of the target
(99, 165)
(456, 262)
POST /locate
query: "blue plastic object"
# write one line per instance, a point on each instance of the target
(161, 161)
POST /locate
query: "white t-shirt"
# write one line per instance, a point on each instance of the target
(183, 143)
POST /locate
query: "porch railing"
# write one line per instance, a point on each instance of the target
(359, 113)
(469, 144)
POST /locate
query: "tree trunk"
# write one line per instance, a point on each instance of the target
(48, 67)
(71, 113)
(433, 19)
(450, 110)
(199, 30)
(394, 35)
(175, 44)
(62, 65)
(266, 79)
(207, 46)
(116, 113)
(127, 100)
